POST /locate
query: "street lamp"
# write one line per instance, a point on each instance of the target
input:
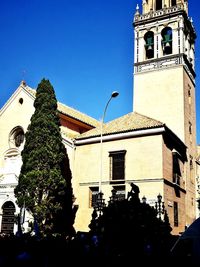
(113, 95)
(159, 205)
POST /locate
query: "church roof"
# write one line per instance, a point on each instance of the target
(71, 112)
(77, 115)
(130, 122)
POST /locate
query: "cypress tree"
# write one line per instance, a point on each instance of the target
(44, 185)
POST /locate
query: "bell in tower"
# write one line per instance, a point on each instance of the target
(149, 44)
(167, 40)
(164, 54)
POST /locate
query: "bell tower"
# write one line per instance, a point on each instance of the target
(164, 75)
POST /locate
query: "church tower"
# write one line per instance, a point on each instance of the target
(164, 76)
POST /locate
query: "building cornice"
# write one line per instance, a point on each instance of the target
(119, 136)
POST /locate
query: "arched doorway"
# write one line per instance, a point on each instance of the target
(8, 218)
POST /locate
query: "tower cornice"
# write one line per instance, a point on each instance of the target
(164, 63)
(163, 14)
(152, 16)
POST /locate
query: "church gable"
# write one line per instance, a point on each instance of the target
(18, 98)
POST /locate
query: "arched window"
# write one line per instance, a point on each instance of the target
(173, 2)
(167, 41)
(8, 218)
(16, 138)
(149, 44)
(158, 4)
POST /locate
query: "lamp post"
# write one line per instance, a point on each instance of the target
(159, 205)
(113, 95)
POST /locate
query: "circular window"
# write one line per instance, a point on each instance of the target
(21, 100)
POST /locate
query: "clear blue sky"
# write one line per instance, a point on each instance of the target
(85, 49)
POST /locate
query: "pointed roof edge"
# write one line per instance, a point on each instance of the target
(62, 108)
(22, 86)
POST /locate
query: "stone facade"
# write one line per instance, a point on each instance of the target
(148, 163)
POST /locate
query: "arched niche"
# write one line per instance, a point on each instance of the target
(149, 44)
(167, 40)
(16, 137)
(8, 217)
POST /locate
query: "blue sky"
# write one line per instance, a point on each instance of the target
(85, 49)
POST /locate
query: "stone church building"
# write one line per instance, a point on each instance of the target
(153, 147)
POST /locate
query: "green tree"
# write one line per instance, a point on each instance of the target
(45, 180)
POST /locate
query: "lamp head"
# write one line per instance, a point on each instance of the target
(144, 200)
(114, 94)
(159, 197)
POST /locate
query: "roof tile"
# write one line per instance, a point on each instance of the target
(129, 122)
